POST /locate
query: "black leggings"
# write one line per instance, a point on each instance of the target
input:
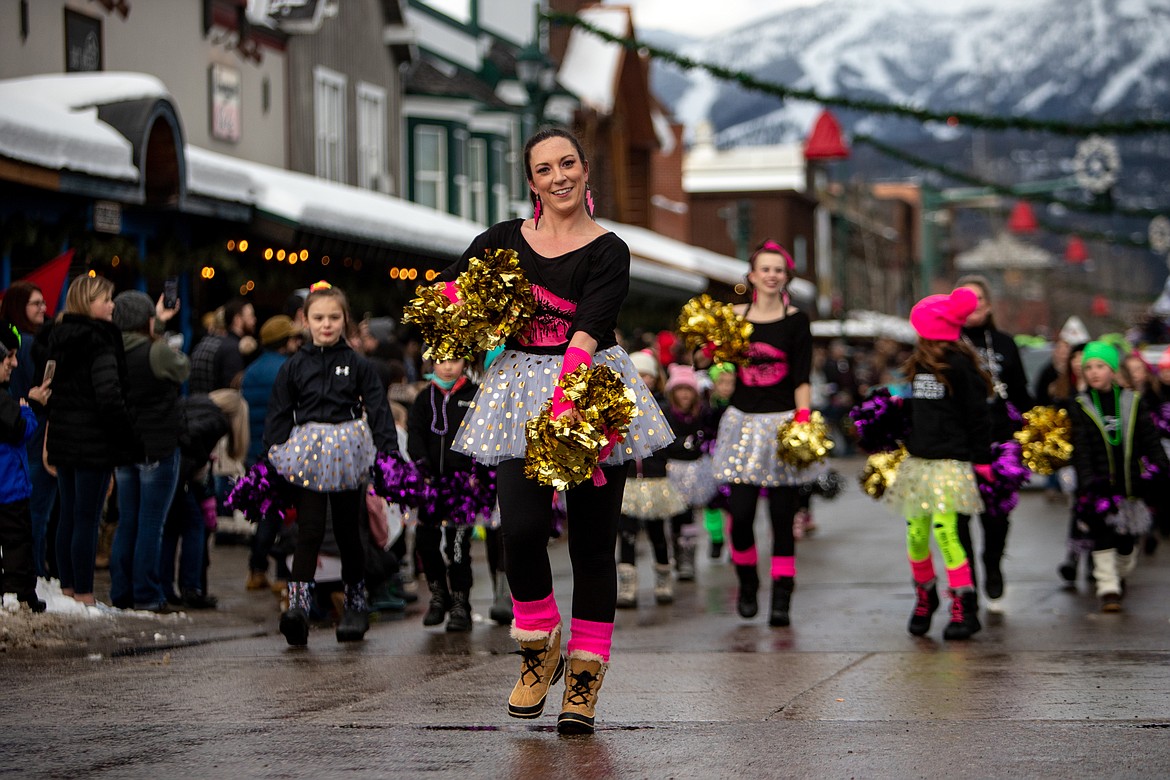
(628, 528)
(782, 503)
(344, 508)
(455, 567)
(525, 523)
(995, 532)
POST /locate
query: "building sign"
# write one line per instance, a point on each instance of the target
(83, 43)
(107, 216)
(226, 103)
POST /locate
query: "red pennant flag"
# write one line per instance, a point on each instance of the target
(51, 278)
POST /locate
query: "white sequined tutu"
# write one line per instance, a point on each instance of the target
(927, 486)
(693, 479)
(326, 457)
(1132, 518)
(745, 451)
(518, 383)
(653, 498)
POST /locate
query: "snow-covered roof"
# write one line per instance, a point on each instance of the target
(590, 66)
(867, 324)
(51, 121)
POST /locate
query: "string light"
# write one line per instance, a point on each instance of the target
(243, 245)
(280, 255)
(325, 260)
(231, 245)
(268, 253)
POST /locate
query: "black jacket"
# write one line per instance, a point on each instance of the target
(153, 401)
(690, 433)
(434, 411)
(1000, 357)
(950, 424)
(88, 416)
(328, 385)
(1099, 464)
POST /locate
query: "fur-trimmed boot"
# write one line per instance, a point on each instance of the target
(964, 615)
(627, 592)
(747, 602)
(541, 666)
(294, 621)
(501, 610)
(782, 588)
(1108, 580)
(663, 583)
(925, 604)
(582, 687)
(355, 615)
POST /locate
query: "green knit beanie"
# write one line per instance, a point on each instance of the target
(1099, 350)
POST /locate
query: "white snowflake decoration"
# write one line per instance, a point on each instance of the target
(1159, 233)
(1097, 163)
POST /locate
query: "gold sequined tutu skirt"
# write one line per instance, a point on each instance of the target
(745, 451)
(693, 479)
(926, 487)
(654, 498)
(325, 457)
(518, 383)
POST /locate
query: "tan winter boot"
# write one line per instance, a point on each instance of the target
(663, 583)
(541, 666)
(582, 687)
(627, 593)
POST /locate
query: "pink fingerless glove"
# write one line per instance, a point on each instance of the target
(451, 291)
(575, 357)
(984, 471)
(802, 416)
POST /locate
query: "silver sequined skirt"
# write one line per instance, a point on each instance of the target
(324, 457)
(1132, 518)
(518, 383)
(745, 451)
(926, 487)
(693, 479)
(652, 499)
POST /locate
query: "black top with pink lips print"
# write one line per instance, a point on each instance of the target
(779, 361)
(582, 290)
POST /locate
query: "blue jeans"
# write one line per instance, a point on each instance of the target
(83, 495)
(145, 491)
(186, 528)
(40, 507)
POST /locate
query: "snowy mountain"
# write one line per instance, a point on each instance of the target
(1084, 60)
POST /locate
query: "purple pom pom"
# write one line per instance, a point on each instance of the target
(261, 493)
(881, 421)
(1001, 495)
(400, 482)
(466, 497)
(1161, 417)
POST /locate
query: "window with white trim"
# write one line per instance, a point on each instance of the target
(373, 170)
(477, 175)
(430, 166)
(499, 174)
(460, 179)
(329, 119)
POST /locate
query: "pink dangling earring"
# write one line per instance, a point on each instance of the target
(589, 207)
(536, 214)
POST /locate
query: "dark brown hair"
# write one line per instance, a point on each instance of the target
(541, 136)
(14, 305)
(317, 293)
(930, 356)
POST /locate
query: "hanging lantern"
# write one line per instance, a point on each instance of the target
(1022, 219)
(1101, 306)
(825, 141)
(1075, 253)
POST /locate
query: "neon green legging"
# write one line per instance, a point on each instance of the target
(946, 534)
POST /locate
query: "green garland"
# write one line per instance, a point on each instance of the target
(970, 119)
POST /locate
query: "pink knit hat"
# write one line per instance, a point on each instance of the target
(941, 317)
(681, 376)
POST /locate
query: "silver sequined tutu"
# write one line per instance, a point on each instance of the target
(693, 479)
(926, 487)
(745, 451)
(325, 457)
(652, 499)
(518, 383)
(1132, 518)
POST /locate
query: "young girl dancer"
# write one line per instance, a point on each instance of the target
(434, 417)
(580, 274)
(317, 439)
(1117, 453)
(950, 431)
(649, 501)
(770, 390)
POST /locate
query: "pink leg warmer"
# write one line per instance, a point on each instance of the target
(540, 615)
(923, 571)
(783, 566)
(746, 557)
(589, 636)
(960, 576)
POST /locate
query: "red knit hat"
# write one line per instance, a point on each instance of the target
(941, 317)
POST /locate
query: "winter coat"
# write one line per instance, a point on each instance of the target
(1000, 357)
(88, 415)
(432, 411)
(256, 387)
(17, 425)
(1099, 463)
(328, 385)
(155, 372)
(954, 423)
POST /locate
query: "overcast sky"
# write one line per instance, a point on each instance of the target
(703, 17)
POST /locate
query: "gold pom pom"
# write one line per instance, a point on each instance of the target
(881, 469)
(803, 444)
(1044, 440)
(565, 452)
(495, 301)
(704, 320)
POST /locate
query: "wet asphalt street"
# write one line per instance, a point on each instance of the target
(1053, 688)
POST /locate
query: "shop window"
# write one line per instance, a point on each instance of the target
(371, 138)
(430, 166)
(329, 118)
